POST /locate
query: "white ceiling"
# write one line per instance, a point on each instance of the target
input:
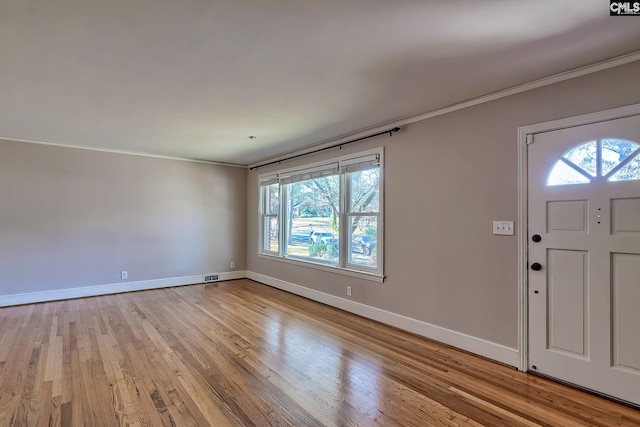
(196, 78)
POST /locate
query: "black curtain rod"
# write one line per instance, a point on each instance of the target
(390, 132)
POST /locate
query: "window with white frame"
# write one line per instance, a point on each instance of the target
(326, 213)
(270, 205)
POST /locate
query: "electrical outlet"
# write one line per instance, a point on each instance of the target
(233, 264)
(348, 291)
(124, 275)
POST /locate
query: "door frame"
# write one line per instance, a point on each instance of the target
(526, 137)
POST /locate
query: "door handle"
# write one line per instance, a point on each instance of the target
(536, 266)
(536, 238)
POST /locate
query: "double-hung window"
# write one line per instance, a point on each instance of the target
(328, 214)
(269, 207)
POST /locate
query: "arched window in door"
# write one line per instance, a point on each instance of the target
(611, 159)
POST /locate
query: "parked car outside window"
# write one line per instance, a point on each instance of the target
(324, 238)
(363, 244)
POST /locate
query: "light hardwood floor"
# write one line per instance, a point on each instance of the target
(240, 353)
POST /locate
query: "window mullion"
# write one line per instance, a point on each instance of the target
(261, 224)
(345, 195)
(599, 158)
(282, 208)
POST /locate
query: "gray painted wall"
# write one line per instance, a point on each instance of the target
(72, 218)
(446, 179)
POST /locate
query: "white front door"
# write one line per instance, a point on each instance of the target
(584, 256)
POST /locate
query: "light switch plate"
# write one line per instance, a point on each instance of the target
(505, 228)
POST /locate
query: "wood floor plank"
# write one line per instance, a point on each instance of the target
(240, 353)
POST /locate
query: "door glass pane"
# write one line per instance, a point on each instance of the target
(563, 174)
(629, 172)
(584, 156)
(615, 151)
(363, 246)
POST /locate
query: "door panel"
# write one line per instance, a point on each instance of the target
(567, 292)
(567, 215)
(625, 272)
(625, 216)
(584, 296)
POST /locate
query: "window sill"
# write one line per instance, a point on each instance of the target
(373, 277)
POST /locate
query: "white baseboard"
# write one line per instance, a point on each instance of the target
(114, 288)
(232, 275)
(466, 342)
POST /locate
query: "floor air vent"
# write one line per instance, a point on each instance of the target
(210, 278)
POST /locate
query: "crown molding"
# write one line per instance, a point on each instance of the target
(545, 81)
(117, 151)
